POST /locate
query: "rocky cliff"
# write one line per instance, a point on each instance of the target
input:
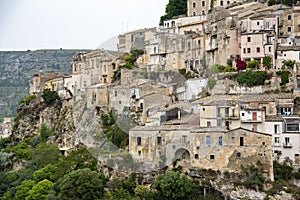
(58, 116)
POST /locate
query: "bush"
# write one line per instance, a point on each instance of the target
(45, 132)
(49, 96)
(27, 100)
(253, 64)
(267, 62)
(251, 78)
(174, 185)
(211, 83)
(284, 75)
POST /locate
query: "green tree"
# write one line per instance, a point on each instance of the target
(282, 171)
(45, 154)
(78, 159)
(251, 78)
(174, 185)
(267, 62)
(40, 191)
(289, 64)
(211, 83)
(253, 64)
(45, 173)
(22, 190)
(174, 8)
(49, 96)
(45, 132)
(284, 75)
(82, 184)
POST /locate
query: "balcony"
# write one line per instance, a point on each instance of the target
(287, 145)
(232, 116)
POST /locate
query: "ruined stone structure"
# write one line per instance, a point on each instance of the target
(213, 148)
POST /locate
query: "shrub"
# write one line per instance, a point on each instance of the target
(284, 75)
(251, 78)
(211, 83)
(49, 96)
(252, 64)
(267, 62)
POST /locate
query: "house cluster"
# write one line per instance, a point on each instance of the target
(176, 118)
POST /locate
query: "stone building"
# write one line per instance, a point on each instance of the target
(134, 39)
(213, 148)
(272, 114)
(257, 44)
(6, 127)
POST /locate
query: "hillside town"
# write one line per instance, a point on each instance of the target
(182, 85)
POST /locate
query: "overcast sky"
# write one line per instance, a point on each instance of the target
(53, 24)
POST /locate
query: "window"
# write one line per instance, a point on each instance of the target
(248, 50)
(258, 50)
(248, 39)
(286, 141)
(84, 84)
(199, 43)
(116, 93)
(189, 46)
(194, 5)
(154, 50)
(196, 156)
(159, 140)
(203, 109)
(289, 29)
(221, 3)
(228, 2)
(276, 128)
(203, 3)
(194, 13)
(184, 138)
(227, 124)
(257, 23)
(208, 124)
(243, 114)
(139, 140)
(140, 153)
(212, 157)
(233, 139)
(120, 102)
(241, 141)
(269, 40)
(203, 12)
(276, 140)
(289, 17)
(270, 49)
(238, 155)
(220, 141)
(267, 25)
(207, 140)
(226, 112)
(244, 50)
(219, 122)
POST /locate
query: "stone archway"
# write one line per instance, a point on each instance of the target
(182, 154)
